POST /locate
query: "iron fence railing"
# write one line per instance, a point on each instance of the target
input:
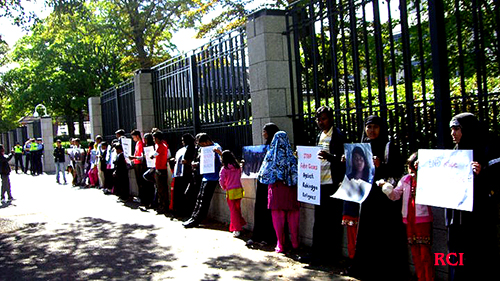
(206, 91)
(383, 57)
(118, 109)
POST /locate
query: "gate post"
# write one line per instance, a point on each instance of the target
(270, 89)
(95, 116)
(48, 141)
(143, 92)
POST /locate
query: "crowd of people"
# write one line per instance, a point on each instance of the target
(379, 229)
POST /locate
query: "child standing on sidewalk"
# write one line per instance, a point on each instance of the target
(230, 181)
(5, 171)
(418, 220)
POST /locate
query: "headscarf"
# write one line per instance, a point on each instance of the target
(366, 169)
(270, 129)
(378, 144)
(279, 163)
(470, 130)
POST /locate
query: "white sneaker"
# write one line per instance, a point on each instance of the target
(236, 234)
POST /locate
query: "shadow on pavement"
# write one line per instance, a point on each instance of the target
(249, 269)
(86, 249)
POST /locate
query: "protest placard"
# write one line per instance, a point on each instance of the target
(127, 147)
(179, 167)
(359, 175)
(309, 174)
(253, 156)
(207, 160)
(148, 152)
(445, 179)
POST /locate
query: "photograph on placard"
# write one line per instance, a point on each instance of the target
(360, 172)
(253, 157)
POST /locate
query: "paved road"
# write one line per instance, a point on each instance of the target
(59, 232)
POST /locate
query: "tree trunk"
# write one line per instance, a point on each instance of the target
(81, 126)
(71, 126)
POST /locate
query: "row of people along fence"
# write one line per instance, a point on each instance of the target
(414, 63)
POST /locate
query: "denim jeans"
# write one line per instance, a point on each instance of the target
(60, 168)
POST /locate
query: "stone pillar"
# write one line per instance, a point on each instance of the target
(20, 138)
(269, 72)
(11, 140)
(31, 132)
(48, 141)
(144, 111)
(95, 116)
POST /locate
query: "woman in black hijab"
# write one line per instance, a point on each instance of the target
(263, 230)
(472, 233)
(381, 251)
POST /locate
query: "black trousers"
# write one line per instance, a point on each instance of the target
(203, 200)
(263, 229)
(328, 231)
(19, 161)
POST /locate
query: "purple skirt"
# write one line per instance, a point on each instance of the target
(282, 197)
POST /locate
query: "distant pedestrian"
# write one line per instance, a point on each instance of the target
(230, 181)
(92, 173)
(18, 150)
(208, 183)
(78, 155)
(139, 164)
(27, 153)
(59, 160)
(279, 171)
(121, 180)
(5, 172)
(40, 149)
(162, 173)
(183, 174)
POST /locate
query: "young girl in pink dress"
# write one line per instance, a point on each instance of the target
(230, 181)
(418, 220)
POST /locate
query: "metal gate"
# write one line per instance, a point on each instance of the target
(414, 63)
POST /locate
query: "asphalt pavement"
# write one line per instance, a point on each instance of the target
(60, 232)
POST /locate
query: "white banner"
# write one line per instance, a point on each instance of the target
(359, 175)
(445, 179)
(207, 160)
(148, 152)
(309, 175)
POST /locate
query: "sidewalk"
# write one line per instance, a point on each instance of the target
(59, 232)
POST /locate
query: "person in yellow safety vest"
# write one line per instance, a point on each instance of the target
(27, 152)
(33, 151)
(18, 155)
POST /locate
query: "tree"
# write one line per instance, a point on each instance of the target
(67, 59)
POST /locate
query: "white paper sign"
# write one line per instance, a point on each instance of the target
(445, 179)
(179, 167)
(207, 160)
(359, 175)
(148, 152)
(127, 147)
(309, 177)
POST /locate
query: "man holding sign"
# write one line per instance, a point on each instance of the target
(327, 231)
(209, 168)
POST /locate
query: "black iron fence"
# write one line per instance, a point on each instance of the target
(37, 128)
(414, 63)
(206, 91)
(118, 109)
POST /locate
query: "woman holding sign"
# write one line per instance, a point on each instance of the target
(478, 248)
(279, 171)
(381, 233)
